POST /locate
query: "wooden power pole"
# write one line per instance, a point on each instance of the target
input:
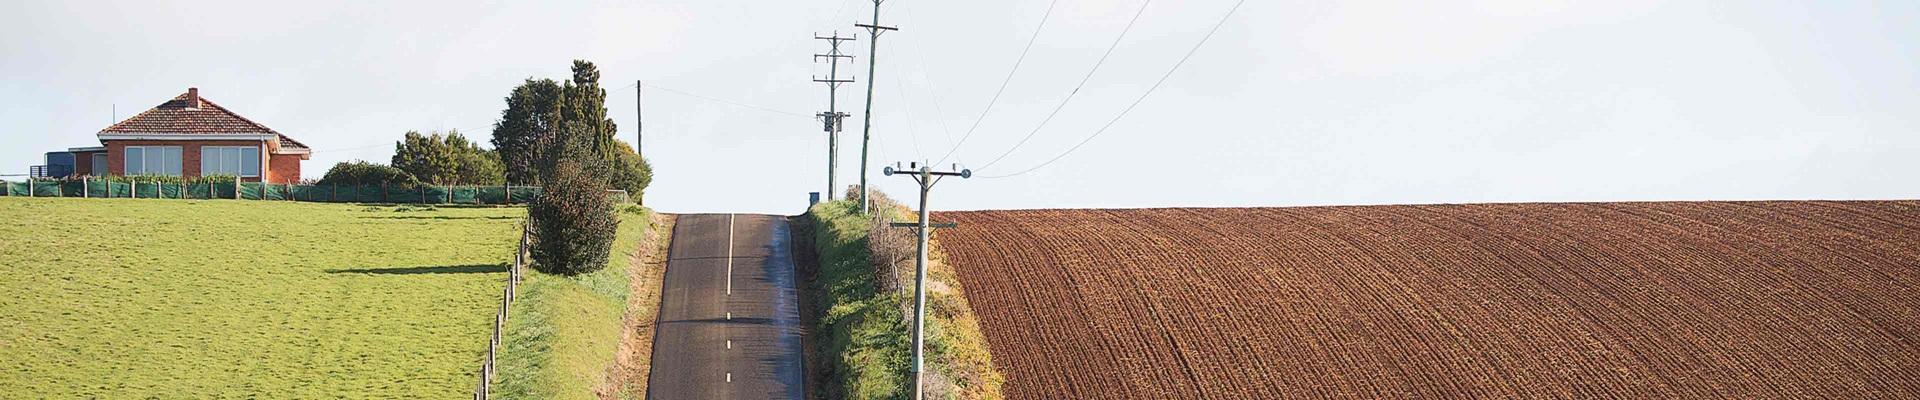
(866, 129)
(926, 177)
(832, 116)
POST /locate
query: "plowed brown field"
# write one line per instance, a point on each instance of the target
(1606, 300)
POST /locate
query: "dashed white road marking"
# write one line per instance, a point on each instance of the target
(729, 377)
(729, 345)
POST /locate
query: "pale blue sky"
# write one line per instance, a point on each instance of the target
(1290, 103)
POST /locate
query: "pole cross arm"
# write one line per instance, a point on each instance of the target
(890, 171)
(884, 28)
(917, 225)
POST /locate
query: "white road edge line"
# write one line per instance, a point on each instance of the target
(729, 254)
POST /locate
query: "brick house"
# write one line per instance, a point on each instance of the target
(187, 136)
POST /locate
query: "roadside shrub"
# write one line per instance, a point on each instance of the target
(366, 173)
(629, 171)
(144, 179)
(573, 220)
(892, 251)
(864, 288)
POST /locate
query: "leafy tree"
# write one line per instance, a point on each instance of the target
(576, 162)
(531, 114)
(583, 105)
(365, 173)
(448, 159)
(481, 167)
(629, 171)
(573, 219)
(426, 157)
(538, 109)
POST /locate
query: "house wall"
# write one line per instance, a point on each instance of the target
(83, 162)
(189, 154)
(283, 168)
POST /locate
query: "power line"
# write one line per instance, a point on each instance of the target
(355, 148)
(384, 143)
(1076, 87)
(933, 93)
(836, 12)
(913, 132)
(1003, 83)
(735, 103)
(1143, 96)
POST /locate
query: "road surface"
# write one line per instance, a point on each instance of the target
(730, 319)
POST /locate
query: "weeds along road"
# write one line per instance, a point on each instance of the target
(729, 319)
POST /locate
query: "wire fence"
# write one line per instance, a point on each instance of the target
(483, 391)
(178, 189)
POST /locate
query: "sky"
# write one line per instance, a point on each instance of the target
(1287, 103)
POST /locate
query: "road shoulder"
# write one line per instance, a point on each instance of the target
(627, 377)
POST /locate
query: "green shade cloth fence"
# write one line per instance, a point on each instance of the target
(423, 194)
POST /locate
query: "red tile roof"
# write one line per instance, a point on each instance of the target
(190, 114)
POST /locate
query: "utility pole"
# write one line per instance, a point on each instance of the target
(638, 121)
(866, 130)
(832, 117)
(926, 177)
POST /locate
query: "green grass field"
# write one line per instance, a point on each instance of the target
(122, 298)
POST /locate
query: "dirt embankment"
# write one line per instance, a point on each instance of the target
(628, 375)
(1602, 300)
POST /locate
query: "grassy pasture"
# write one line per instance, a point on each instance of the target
(125, 298)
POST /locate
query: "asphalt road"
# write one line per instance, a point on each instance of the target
(730, 319)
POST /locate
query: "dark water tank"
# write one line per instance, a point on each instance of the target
(59, 164)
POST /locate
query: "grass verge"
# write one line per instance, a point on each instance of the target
(864, 332)
(627, 377)
(564, 332)
(140, 298)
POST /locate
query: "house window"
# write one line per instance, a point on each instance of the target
(97, 164)
(153, 160)
(230, 160)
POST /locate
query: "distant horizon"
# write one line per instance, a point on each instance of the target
(1428, 204)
